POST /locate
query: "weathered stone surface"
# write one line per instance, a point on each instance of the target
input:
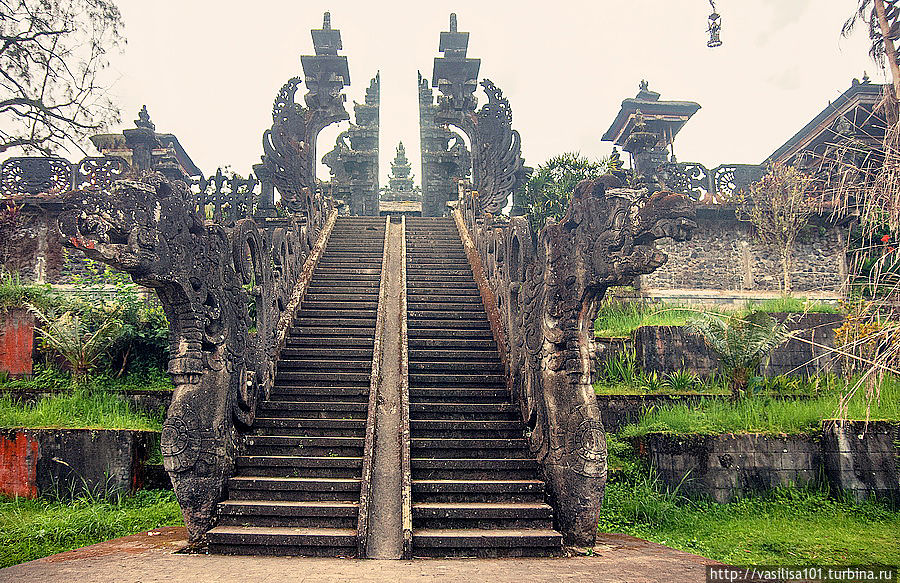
(543, 294)
(724, 255)
(666, 349)
(862, 459)
(227, 295)
(852, 458)
(35, 462)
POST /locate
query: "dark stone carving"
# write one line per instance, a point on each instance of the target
(547, 288)
(100, 172)
(35, 176)
(445, 157)
(225, 292)
(289, 146)
(498, 168)
(354, 159)
(229, 199)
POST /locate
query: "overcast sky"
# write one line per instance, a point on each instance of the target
(208, 71)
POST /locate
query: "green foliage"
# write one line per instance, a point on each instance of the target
(31, 529)
(767, 414)
(550, 187)
(681, 381)
(15, 294)
(85, 407)
(617, 319)
(741, 342)
(80, 345)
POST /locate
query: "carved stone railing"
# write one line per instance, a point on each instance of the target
(54, 175)
(709, 186)
(541, 292)
(229, 294)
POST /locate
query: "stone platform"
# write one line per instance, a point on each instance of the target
(152, 556)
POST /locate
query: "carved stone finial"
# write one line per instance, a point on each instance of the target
(326, 21)
(143, 120)
(643, 85)
(453, 22)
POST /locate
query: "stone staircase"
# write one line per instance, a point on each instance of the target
(476, 490)
(296, 489)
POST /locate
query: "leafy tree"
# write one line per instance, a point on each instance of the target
(779, 207)
(52, 55)
(741, 342)
(550, 187)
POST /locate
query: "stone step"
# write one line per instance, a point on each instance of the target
(456, 429)
(344, 378)
(454, 366)
(442, 447)
(289, 513)
(486, 542)
(313, 305)
(440, 324)
(287, 466)
(331, 270)
(327, 343)
(459, 395)
(349, 297)
(345, 426)
(331, 352)
(440, 313)
(486, 411)
(423, 342)
(445, 355)
(292, 488)
(323, 364)
(332, 330)
(419, 379)
(320, 409)
(417, 333)
(475, 468)
(310, 446)
(362, 317)
(477, 490)
(482, 515)
(298, 541)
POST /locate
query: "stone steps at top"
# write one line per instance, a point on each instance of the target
(476, 488)
(296, 486)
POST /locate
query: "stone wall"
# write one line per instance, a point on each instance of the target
(35, 462)
(724, 256)
(665, 349)
(852, 457)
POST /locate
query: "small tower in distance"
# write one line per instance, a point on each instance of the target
(400, 181)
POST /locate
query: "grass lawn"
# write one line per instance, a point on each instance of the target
(617, 320)
(80, 408)
(31, 529)
(762, 414)
(788, 526)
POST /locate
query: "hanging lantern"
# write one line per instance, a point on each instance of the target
(715, 25)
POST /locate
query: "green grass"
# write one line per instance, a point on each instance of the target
(617, 320)
(764, 414)
(31, 529)
(788, 526)
(49, 379)
(80, 408)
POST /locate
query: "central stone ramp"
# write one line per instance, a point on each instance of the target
(476, 489)
(296, 489)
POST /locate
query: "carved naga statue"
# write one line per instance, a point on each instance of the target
(547, 289)
(227, 295)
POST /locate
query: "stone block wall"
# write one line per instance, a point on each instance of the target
(861, 458)
(852, 457)
(35, 462)
(724, 256)
(726, 467)
(666, 349)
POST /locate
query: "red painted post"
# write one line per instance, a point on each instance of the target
(16, 341)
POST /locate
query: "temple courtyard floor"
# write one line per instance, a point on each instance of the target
(153, 556)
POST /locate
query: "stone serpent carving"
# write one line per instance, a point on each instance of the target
(548, 286)
(224, 292)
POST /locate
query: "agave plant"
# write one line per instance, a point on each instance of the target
(741, 342)
(79, 344)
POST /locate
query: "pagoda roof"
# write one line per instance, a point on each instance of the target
(861, 98)
(658, 115)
